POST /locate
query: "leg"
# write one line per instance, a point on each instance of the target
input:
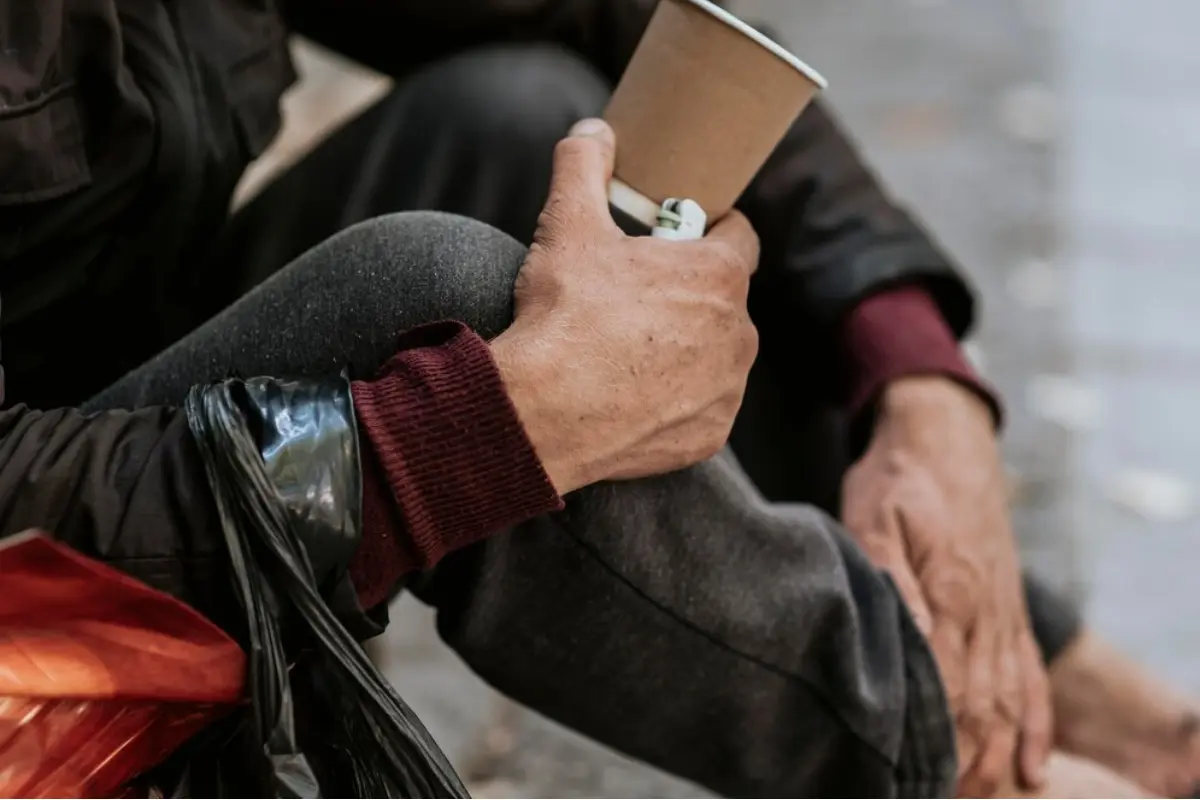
(683, 620)
(343, 304)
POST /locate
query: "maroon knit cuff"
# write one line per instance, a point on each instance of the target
(446, 461)
(900, 333)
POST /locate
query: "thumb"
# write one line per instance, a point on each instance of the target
(583, 166)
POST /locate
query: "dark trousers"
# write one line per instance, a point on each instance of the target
(743, 644)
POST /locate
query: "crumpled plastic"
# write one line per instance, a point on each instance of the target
(323, 721)
(101, 677)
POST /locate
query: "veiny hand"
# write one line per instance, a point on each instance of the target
(928, 504)
(628, 355)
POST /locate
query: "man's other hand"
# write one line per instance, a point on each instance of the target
(928, 504)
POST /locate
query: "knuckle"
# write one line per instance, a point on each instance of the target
(1009, 698)
(980, 712)
(956, 695)
(574, 147)
(956, 590)
(976, 716)
(749, 343)
(550, 221)
(986, 773)
(741, 349)
(558, 222)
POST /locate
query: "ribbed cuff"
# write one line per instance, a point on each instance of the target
(897, 334)
(446, 460)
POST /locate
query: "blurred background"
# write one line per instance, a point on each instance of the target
(1054, 148)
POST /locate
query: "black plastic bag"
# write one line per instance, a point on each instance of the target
(362, 739)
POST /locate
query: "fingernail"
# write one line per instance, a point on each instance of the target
(589, 127)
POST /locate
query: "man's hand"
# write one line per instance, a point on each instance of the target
(928, 504)
(628, 355)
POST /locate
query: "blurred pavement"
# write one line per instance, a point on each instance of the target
(1130, 187)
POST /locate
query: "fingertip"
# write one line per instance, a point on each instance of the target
(1035, 753)
(1034, 773)
(593, 128)
(583, 167)
(999, 764)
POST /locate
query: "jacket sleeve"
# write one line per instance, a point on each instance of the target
(127, 488)
(831, 235)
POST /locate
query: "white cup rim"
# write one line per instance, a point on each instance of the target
(775, 48)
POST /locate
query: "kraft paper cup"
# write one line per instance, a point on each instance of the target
(703, 103)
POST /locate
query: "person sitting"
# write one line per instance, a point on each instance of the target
(127, 132)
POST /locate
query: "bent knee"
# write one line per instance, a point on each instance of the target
(437, 266)
(515, 94)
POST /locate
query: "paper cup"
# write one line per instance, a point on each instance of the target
(703, 103)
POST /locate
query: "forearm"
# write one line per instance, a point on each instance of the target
(127, 488)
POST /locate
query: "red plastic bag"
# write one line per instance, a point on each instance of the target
(101, 677)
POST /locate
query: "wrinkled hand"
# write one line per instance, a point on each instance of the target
(928, 504)
(628, 356)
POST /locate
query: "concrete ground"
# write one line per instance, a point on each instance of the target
(1051, 147)
(1129, 192)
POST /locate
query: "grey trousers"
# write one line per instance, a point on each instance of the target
(744, 645)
